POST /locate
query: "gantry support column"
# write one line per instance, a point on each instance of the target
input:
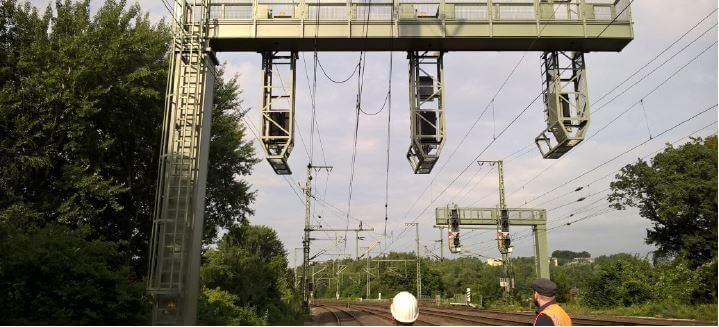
(426, 110)
(566, 102)
(177, 224)
(278, 108)
(540, 251)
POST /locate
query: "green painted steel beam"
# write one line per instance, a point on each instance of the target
(530, 25)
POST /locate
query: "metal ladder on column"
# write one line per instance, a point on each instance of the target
(174, 215)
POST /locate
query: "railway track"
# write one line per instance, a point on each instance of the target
(384, 313)
(334, 309)
(499, 318)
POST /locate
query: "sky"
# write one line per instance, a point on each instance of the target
(681, 83)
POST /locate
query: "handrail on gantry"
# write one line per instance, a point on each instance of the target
(406, 25)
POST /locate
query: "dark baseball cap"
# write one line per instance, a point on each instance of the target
(544, 287)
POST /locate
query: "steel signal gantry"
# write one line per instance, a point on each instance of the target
(278, 29)
(563, 29)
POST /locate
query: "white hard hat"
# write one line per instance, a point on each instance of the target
(404, 308)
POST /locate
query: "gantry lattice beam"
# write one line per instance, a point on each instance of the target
(426, 110)
(566, 103)
(277, 116)
(407, 25)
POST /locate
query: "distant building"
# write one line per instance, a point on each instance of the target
(494, 262)
(581, 261)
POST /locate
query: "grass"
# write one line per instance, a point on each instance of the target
(653, 309)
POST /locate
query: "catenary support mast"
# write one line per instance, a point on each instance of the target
(176, 240)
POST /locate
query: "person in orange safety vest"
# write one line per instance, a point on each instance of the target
(549, 313)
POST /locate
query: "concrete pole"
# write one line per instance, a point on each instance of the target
(441, 242)
(306, 240)
(368, 276)
(500, 170)
(419, 274)
(313, 281)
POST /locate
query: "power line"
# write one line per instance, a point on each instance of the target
(476, 121)
(712, 28)
(617, 117)
(334, 80)
(656, 57)
(626, 89)
(625, 152)
(589, 207)
(473, 161)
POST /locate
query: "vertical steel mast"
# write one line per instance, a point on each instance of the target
(176, 238)
(504, 241)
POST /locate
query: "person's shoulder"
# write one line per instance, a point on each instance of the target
(543, 320)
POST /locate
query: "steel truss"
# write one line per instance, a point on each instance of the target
(176, 239)
(426, 106)
(566, 103)
(278, 108)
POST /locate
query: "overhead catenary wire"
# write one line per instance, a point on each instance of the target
(358, 106)
(476, 121)
(252, 129)
(655, 57)
(441, 193)
(616, 118)
(585, 208)
(625, 152)
(626, 89)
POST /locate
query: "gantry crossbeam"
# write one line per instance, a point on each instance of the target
(407, 25)
(535, 218)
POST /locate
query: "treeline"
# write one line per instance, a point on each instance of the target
(619, 280)
(81, 102)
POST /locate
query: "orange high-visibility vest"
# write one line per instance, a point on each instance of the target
(557, 314)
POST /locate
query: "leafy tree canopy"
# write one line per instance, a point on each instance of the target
(677, 191)
(81, 105)
(81, 102)
(250, 263)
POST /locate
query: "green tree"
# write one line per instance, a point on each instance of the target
(251, 264)
(81, 105)
(624, 280)
(218, 307)
(53, 275)
(677, 191)
(81, 102)
(231, 156)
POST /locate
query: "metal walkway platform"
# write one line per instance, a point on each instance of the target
(415, 25)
